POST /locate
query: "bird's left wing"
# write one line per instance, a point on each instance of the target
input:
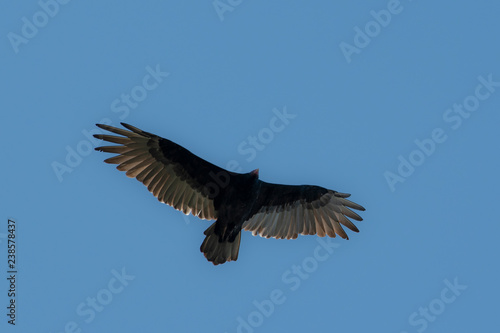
(172, 173)
(285, 211)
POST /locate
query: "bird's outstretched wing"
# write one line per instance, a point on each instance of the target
(284, 211)
(172, 173)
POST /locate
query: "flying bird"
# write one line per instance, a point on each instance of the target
(236, 201)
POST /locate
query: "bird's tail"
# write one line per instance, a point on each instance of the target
(219, 252)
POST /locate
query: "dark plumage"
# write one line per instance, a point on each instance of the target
(236, 201)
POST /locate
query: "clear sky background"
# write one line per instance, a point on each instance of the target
(396, 103)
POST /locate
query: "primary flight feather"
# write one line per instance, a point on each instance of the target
(236, 201)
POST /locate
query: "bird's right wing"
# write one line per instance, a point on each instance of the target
(285, 211)
(172, 173)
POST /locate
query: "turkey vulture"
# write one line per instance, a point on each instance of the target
(236, 201)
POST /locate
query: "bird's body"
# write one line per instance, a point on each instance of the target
(236, 201)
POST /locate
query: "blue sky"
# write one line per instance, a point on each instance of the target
(395, 102)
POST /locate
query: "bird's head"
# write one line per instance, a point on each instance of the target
(255, 173)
